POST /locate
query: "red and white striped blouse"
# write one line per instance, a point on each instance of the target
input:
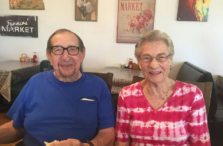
(180, 121)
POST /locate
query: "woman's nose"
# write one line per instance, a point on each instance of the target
(154, 63)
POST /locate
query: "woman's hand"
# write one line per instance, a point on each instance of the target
(69, 142)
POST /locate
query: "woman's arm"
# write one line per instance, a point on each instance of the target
(122, 123)
(9, 134)
(197, 122)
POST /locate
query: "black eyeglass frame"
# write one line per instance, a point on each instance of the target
(168, 56)
(78, 48)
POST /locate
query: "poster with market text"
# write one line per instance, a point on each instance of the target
(18, 25)
(135, 18)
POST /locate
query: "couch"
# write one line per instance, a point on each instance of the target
(190, 72)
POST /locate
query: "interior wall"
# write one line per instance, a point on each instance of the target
(200, 43)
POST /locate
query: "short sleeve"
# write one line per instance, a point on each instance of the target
(197, 121)
(122, 121)
(106, 109)
(16, 112)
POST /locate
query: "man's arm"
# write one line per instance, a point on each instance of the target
(8, 133)
(105, 137)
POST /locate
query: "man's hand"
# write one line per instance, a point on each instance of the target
(69, 142)
(105, 137)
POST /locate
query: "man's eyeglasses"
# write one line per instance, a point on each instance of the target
(58, 50)
(159, 58)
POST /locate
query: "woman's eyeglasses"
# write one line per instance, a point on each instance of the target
(159, 58)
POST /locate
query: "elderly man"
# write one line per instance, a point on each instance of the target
(64, 104)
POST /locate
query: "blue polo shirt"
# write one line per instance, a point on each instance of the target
(49, 109)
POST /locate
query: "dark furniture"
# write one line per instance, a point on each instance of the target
(121, 77)
(190, 72)
(13, 76)
(45, 65)
(137, 79)
(107, 77)
(206, 89)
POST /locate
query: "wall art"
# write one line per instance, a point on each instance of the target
(16, 25)
(86, 10)
(26, 4)
(193, 10)
(135, 18)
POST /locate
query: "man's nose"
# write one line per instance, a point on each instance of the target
(65, 55)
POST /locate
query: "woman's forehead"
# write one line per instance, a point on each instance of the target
(157, 47)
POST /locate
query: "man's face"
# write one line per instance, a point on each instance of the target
(66, 67)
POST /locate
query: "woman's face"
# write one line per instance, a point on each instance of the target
(155, 71)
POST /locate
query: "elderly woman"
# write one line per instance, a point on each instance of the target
(158, 110)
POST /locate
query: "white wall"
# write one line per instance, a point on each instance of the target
(200, 43)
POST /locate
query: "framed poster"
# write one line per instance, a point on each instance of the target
(135, 18)
(86, 10)
(193, 10)
(26, 5)
(16, 25)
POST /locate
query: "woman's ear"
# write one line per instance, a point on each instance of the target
(138, 60)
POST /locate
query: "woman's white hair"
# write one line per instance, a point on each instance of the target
(152, 36)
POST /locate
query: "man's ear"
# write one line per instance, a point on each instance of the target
(82, 56)
(48, 55)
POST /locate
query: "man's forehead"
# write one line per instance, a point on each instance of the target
(66, 36)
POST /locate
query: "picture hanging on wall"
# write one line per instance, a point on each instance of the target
(193, 10)
(16, 25)
(86, 10)
(135, 18)
(26, 4)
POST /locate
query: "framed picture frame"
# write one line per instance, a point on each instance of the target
(193, 11)
(26, 5)
(86, 10)
(135, 18)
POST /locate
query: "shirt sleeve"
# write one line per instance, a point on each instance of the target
(106, 109)
(16, 112)
(197, 122)
(122, 120)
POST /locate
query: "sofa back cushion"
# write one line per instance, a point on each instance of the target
(189, 72)
(45, 65)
